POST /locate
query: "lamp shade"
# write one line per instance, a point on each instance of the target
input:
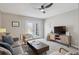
(2, 30)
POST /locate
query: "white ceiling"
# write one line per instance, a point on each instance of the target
(31, 9)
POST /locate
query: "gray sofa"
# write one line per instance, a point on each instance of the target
(14, 47)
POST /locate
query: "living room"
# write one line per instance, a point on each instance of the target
(40, 20)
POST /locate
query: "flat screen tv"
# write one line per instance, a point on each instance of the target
(60, 29)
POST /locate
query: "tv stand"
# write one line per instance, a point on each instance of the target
(63, 39)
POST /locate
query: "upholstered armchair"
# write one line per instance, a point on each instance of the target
(26, 37)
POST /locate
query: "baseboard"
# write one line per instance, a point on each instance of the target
(75, 46)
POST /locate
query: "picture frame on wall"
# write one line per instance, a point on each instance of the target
(15, 24)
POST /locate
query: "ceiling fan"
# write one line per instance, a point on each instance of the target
(45, 6)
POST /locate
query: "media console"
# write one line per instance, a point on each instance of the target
(63, 39)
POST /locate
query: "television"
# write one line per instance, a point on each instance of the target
(60, 29)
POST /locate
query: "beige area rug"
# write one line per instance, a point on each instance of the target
(54, 47)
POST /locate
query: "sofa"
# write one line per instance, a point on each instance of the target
(8, 43)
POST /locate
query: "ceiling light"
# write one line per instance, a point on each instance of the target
(42, 10)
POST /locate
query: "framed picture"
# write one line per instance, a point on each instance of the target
(15, 24)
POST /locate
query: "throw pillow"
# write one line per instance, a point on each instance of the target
(7, 39)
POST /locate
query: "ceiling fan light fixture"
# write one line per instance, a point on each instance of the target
(42, 10)
(45, 6)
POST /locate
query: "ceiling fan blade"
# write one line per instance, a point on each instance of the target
(49, 5)
(42, 7)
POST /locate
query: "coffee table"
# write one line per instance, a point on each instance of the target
(38, 47)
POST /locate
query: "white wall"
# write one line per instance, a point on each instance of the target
(17, 31)
(70, 20)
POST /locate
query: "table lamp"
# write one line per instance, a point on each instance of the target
(2, 30)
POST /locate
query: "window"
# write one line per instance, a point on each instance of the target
(33, 28)
(29, 28)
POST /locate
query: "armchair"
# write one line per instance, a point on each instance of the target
(25, 38)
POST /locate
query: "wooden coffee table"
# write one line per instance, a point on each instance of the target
(38, 47)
